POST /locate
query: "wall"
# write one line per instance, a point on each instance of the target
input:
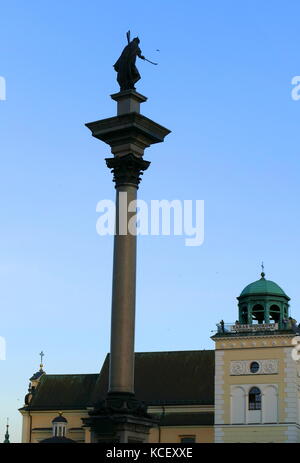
(172, 434)
(43, 421)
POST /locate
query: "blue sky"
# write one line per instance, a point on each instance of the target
(223, 86)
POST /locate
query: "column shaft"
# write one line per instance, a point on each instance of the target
(121, 376)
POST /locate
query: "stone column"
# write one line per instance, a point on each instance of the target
(120, 417)
(126, 170)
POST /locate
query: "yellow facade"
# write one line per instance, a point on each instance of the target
(235, 352)
(37, 426)
(202, 434)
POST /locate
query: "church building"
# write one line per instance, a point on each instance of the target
(246, 390)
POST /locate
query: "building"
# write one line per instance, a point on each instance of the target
(162, 380)
(59, 431)
(257, 373)
(246, 390)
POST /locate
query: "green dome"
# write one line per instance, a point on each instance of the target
(263, 286)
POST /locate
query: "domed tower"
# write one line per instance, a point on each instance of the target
(263, 302)
(257, 369)
(59, 426)
(59, 431)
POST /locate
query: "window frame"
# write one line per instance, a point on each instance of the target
(255, 399)
(187, 436)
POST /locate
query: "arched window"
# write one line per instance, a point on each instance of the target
(275, 313)
(258, 313)
(254, 399)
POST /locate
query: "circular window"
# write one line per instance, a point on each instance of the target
(254, 367)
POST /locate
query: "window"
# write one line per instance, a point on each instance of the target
(254, 399)
(187, 439)
(258, 314)
(254, 367)
(275, 313)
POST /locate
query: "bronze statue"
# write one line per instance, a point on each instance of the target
(128, 74)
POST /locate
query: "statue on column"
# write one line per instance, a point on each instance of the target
(128, 73)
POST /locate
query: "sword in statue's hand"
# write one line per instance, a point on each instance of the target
(145, 59)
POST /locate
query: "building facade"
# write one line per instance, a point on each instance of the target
(246, 390)
(184, 409)
(257, 370)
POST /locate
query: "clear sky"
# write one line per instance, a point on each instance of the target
(223, 86)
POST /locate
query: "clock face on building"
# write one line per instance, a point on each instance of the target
(254, 367)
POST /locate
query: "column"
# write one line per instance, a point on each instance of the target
(127, 171)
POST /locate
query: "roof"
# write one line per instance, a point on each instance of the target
(63, 392)
(58, 440)
(37, 375)
(263, 286)
(183, 377)
(59, 419)
(168, 378)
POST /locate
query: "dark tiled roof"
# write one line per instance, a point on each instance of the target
(37, 375)
(183, 377)
(63, 392)
(58, 440)
(168, 378)
(187, 419)
(59, 419)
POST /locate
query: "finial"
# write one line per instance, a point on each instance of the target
(6, 440)
(262, 270)
(41, 354)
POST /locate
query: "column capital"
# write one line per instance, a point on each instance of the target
(128, 133)
(127, 170)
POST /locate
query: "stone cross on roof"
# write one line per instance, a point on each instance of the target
(41, 354)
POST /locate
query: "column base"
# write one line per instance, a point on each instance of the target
(120, 418)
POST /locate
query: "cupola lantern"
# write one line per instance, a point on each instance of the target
(263, 301)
